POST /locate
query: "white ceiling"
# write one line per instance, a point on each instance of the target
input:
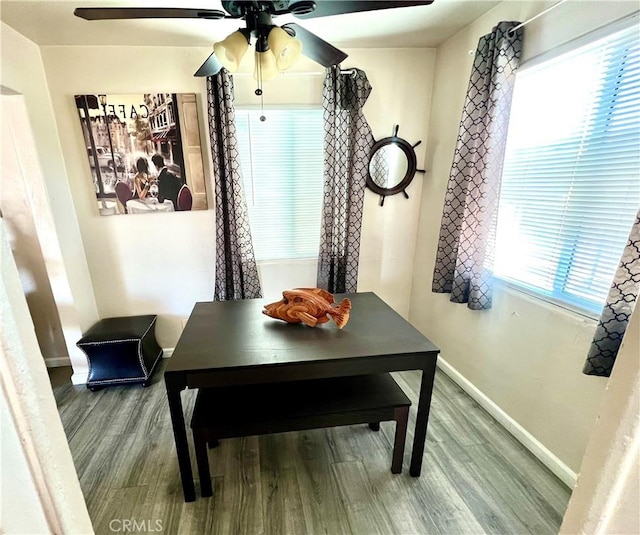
(51, 22)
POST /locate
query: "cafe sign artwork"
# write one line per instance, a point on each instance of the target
(144, 152)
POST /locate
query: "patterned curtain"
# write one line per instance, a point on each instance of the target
(467, 232)
(617, 310)
(236, 270)
(347, 143)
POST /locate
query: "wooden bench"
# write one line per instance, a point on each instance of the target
(260, 409)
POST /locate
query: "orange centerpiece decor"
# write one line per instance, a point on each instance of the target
(310, 306)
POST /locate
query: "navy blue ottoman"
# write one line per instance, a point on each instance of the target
(121, 351)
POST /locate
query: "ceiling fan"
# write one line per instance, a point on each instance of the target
(277, 48)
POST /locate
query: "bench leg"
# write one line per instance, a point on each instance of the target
(401, 416)
(202, 459)
(374, 426)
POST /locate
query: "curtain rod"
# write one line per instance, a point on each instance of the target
(308, 73)
(353, 72)
(522, 24)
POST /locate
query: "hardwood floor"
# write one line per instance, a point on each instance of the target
(476, 477)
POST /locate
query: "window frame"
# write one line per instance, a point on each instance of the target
(288, 107)
(565, 48)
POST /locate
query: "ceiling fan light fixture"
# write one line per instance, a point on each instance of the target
(265, 66)
(286, 49)
(231, 50)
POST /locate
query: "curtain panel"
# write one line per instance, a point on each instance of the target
(347, 143)
(466, 242)
(236, 269)
(621, 301)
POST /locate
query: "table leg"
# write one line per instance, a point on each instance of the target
(202, 458)
(422, 418)
(180, 437)
(401, 416)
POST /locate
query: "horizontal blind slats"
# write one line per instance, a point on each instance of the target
(282, 168)
(571, 176)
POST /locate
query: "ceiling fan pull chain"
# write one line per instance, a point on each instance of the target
(259, 91)
(263, 118)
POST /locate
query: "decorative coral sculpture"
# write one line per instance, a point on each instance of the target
(310, 306)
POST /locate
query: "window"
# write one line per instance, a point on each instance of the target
(282, 168)
(571, 178)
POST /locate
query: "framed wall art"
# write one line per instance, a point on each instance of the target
(144, 152)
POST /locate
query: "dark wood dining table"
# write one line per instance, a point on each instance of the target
(233, 343)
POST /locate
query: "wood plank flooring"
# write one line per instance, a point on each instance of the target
(476, 477)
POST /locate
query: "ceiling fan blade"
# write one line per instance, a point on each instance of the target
(110, 13)
(326, 8)
(210, 67)
(315, 48)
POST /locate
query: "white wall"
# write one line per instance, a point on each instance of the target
(606, 496)
(523, 354)
(40, 488)
(23, 502)
(29, 126)
(164, 263)
(22, 71)
(402, 82)
(23, 236)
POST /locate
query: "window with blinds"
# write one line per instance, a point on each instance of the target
(571, 177)
(282, 168)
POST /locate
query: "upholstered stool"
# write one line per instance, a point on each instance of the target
(121, 351)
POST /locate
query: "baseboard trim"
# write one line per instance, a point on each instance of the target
(57, 362)
(553, 463)
(79, 378)
(166, 353)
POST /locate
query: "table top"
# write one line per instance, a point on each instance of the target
(143, 206)
(230, 335)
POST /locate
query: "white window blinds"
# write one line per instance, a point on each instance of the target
(571, 178)
(282, 168)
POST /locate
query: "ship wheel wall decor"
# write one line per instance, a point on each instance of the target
(392, 166)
